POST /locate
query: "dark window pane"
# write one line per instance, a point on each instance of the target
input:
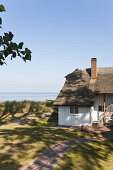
(100, 108)
(76, 110)
(72, 110)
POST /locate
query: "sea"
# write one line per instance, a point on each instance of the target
(32, 96)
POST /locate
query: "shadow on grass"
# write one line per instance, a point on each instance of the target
(7, 163)
(88, 156)
(47, 134)
(107, 134)
(20, 140)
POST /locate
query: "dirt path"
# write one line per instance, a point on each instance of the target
(53, 154)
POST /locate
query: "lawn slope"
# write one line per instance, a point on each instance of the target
(20, 144)
(89, 156)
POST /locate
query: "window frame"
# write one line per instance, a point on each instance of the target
(102, 108)
(74, 113)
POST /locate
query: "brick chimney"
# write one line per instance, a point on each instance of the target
(93, 68)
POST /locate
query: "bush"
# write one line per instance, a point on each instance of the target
(54, 116)
(11, 108)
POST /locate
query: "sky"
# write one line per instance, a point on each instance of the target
(63, 35)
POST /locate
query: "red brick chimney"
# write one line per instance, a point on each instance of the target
(93, 68)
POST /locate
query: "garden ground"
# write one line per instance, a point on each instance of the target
(20, 144)
(88, 156)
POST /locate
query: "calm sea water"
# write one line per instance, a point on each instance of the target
(35, 96)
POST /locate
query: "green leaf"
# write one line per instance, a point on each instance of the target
(12, 49)
(1, 57)
(10, 36)
(23, 52)
(14, 46)
(7, 37)
(6, 53)
(27, 51)
(28, 56)
(20, 46)
(2, 8)
(14, 55)
(0, 21)
(0, 39)
(24, 59)
(1, 62)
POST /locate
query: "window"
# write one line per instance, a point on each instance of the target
(101, 108)
(74, 110)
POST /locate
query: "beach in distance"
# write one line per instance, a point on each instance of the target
(32, 96)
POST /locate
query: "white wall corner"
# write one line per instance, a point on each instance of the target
(91, 112)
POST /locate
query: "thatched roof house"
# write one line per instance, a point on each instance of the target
(80, 89)
(83, 85)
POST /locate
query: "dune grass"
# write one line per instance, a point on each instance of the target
(20, 144)
(89, 156)
(9, 109)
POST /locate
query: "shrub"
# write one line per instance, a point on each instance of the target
(11, 108)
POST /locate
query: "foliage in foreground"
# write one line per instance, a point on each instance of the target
(10, 48)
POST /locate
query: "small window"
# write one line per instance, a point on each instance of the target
(101, 108)
(73, 110)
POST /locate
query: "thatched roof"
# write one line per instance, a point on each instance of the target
(80, 90)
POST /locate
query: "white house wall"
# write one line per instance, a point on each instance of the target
(99, 100)
(86, 114)
(109, 99)
(83, 118)
(94, 115)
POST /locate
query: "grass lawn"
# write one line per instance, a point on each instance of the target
(20, 144)
(89, 156)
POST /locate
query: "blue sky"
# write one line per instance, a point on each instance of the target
(62, 34)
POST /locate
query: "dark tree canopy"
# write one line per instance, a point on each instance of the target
(10, 48)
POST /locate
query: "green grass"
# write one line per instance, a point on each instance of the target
(20, 144)
(90, 156)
